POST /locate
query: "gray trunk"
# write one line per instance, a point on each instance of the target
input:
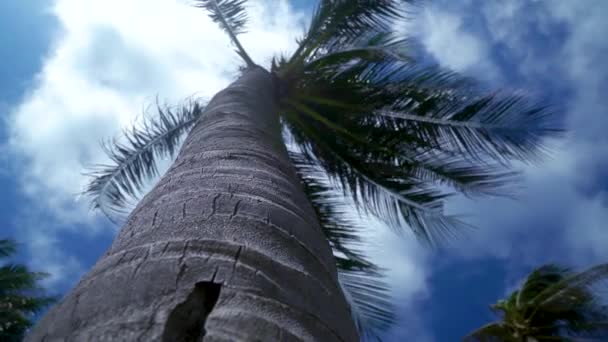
(226, 247)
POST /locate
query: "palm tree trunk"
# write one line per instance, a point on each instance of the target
(225, 247)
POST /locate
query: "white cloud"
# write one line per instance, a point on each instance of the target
(552, 205)
(443, 35)
(408, 271)
(47, 257)
(584, 64)
(551, 45)
(113, 58)
(587, 230)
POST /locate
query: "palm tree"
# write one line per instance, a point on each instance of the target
(20, 296)
(553, 304)
(243, 238)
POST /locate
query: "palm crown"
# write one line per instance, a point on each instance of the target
(386, 132)
(553, 304)
(20, 296)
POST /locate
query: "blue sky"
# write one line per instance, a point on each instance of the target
(77, 71)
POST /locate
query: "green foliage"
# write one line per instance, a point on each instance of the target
(338, 25)
(20, 296)
(114, 187)
(553, 304)
(394, 133)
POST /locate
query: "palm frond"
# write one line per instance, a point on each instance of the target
(336, 23)
(501, 128)
(7, 248)
(584, 329)
(229, 14)
(573, 289)
(378, 47)
(491, 332)
(24, 303)
(370, 300)
(537, 282)
(437, 109)
(362, 281)
(13, 326)
(17, 278)
(555, 303)
(393, 133)
(20, 296)
(232, 18)
(17, 314)
(113, 187)
(343, 234)
(379, 186)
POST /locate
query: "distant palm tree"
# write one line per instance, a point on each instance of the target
(242, 239)
(554, 304)
(20, 296)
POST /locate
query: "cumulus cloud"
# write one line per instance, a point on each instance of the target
(408, 270)
(113, 58)
(43, 246)
(554, 49)
(445, 37)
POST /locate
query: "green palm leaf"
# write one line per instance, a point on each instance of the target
(7, 248)
(114, 187)
(17, 277)
(573, 299)
(555, 303)
(569, 285)
(378, 46)
(433, 108)
(20, 296)
(25, 303)
(538, 282)
(343, 233)
(337, 23)
(376, 187)
(399, 131)
(491, 332)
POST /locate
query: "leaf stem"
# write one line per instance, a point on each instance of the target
(241, 50)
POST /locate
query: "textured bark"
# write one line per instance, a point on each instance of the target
(226, 247)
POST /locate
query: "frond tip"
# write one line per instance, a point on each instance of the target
(369, 297)
(7, 248)
(114, 187)
(231, 16)
(338, 23)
